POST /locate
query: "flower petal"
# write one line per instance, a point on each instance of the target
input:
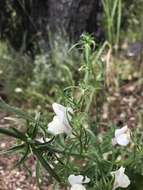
(121, 179)
(60, 123)
(59, 110)
(121, 131)
(56, 126)
(73, 179)
(123, 140)
(79, 179)
(86, 180)
(77, 187)
(64, 113)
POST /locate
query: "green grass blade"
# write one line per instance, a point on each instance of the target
(119, 21)
(115, 5)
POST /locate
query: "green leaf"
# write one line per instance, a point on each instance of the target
(45, 164)
(23, 158)
(38, 174)
(19, 134)
(34, 129)
(4, 106)
(10, 133)
(13, 149)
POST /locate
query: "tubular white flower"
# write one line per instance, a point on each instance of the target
(60, 123)
(122, 136)
(77, 181)
(77, 187)
(121, 179)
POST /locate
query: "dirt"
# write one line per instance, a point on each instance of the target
(125, 106)
(12, 178)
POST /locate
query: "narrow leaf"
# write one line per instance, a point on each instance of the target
(23, 158)
(19, 134)
(13, 149)
(38, 174)
(10, 133)
(4, 106)
(45, 164)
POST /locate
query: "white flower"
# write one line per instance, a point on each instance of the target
(77, 187)
(77, 181)
(122, 136)
(18, 90)
(121, 179)
(60, 123)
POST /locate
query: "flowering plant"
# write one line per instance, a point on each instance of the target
(74, 147)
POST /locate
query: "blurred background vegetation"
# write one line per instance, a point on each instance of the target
(35, 42)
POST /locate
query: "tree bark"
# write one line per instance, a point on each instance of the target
(36, 17)
(75, 16)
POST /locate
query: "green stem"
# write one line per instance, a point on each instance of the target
(45, 164)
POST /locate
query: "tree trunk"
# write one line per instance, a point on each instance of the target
(36, 17)
(75, 16)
